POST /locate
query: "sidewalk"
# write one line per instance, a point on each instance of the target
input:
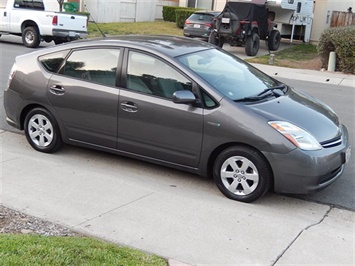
(322, 77)
(173, 214)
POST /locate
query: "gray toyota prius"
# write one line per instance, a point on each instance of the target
(181, 103)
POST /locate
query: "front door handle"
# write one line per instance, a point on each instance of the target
(57, 90)
(129, 107)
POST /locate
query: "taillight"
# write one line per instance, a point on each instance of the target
(187, 22)
(208, 25)
(55, 20)
(12, 75)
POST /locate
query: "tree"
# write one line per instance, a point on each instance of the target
(60, 2)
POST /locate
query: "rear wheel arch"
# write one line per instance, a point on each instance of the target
(25, 111)
(28, 23)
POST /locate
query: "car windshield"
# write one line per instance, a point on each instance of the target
(228, 74)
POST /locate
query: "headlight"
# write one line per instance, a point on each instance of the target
(299, 137)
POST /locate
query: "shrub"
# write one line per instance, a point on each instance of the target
(342, 41)
(182, 15)
(85, 14)
(169, 12)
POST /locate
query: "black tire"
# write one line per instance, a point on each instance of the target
(42, 131)
(227, 28)
(215, 39)
(274, 40)
(58, 41)
(30, 37)
(252, 44)
(242, 173)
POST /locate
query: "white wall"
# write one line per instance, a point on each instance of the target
(51, 5)
(323, 13)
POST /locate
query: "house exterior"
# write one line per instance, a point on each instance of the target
(105, 11)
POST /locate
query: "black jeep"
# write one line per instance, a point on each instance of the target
(245, 24)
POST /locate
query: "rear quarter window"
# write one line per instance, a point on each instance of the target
(29, 4)
(52, 62)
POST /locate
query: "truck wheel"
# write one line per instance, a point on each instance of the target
(215, 39)
(30, 37)
(274, 40)
(252, 44)
(242, 173)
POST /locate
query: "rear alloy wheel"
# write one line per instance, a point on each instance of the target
(30, 37)
(42, 131)
(274, 40)
(215, 39)
(242, 173)
(252, 44)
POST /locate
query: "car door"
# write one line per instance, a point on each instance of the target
(149, 122)
(85, 97)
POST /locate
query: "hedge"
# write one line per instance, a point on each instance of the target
(342, 41)
(169, 12)
(182, 15)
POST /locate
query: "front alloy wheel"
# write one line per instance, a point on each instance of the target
(242, 173)
(42, 131)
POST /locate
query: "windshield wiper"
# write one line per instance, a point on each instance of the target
(263, 94)
(251, 98)
(273, 90)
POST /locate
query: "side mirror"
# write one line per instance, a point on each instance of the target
(184, 97)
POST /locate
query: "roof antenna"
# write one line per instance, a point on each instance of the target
(92, 19)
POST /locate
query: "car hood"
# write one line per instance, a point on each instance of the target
(303, 111)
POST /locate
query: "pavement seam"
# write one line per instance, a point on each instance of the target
(300, 233)
(102, 214)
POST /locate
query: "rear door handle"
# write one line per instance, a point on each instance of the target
(57, 90)
(129, 107)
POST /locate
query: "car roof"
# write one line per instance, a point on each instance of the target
(171, 46)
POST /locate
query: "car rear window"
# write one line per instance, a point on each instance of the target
(202, 17)
(52, 62)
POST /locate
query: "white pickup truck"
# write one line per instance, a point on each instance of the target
(28, 19)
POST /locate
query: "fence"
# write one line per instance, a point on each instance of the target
(342, 19)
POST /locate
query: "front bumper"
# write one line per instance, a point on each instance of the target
(305, 172)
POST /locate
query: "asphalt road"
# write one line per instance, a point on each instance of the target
(339, 98)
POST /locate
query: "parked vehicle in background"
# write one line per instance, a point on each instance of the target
(181, 103)
(29, 20)
(200, 24)
(245, 24)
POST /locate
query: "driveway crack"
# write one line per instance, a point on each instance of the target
(121, 206)
(300, 233)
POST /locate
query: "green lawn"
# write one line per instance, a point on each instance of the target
(29, 250)
(124, 28)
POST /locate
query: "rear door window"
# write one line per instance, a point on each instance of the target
(93, 65)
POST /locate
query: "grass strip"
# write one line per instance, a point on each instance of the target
(29, 250)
